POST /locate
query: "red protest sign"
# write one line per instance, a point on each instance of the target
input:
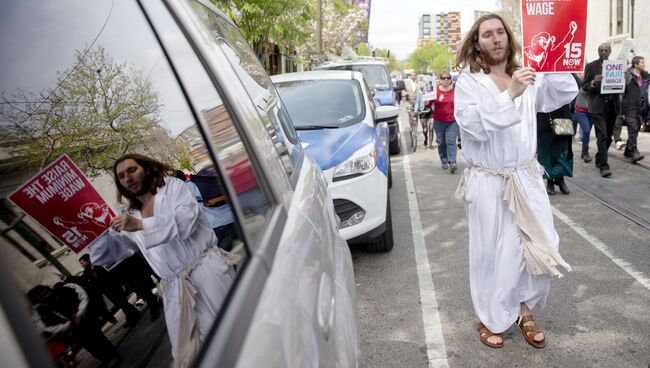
(61, 199)
(553, 33)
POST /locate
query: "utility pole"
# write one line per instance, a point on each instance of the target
(632, 19)
(319, 28)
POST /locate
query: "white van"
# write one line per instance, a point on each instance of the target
(174, 80)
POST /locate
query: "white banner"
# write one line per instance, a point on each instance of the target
(613, 76)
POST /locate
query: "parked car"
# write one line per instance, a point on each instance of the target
(174, 80)
(347, 136)
(375, 72)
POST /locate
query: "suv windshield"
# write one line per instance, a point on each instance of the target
(322, 103)
(376, 76)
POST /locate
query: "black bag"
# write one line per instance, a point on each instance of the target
(210, 190)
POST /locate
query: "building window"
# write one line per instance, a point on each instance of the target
(619, 16)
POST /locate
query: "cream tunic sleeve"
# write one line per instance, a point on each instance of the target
(554, 90)
(178, 223)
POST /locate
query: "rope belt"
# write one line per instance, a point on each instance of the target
(188, 342)
(539, 253)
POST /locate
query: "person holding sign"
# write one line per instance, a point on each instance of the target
(175, 237)
(512, 239)
(602, 107)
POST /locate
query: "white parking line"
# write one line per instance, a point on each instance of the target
(436, 350)
(637, 275)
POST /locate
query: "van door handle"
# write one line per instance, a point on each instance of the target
(325, 306)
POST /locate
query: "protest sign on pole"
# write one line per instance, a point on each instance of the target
(613, 76)
(63, 201)
(553, 34)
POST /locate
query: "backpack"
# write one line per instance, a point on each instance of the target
(210, 190)
(644, 107)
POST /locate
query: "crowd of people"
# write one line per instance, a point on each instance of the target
(606, 113)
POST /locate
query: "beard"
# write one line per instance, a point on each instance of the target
(145, 186)
(489, 60)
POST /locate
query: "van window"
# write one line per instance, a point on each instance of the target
(259, 87)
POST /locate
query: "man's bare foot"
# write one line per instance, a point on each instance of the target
(530, 329)
(526, 312)
(488, 338)
(539, 337)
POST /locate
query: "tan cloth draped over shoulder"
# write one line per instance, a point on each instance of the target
(188, 342)
(541, 256)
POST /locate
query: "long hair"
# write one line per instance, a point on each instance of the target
(155, 177)
(470, 55)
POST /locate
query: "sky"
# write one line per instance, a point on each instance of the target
(394, 24)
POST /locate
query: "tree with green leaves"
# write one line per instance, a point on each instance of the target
(341, 25)
(98, 111)
(510, 11)
(267, 22)
(431, 58)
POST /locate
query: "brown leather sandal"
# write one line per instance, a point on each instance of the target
(530, 332)
(485, 334)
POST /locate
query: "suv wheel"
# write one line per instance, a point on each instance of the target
(394, 147)
(390, 174)
(385, 241)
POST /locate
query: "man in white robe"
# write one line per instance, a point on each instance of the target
(512, 239)
(165, 221)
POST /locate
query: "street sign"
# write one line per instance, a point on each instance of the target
(613, 76)
(553, 34)
(63, 201)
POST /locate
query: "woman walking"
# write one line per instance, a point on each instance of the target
(554, 151)
(581, 117)
(444, 122)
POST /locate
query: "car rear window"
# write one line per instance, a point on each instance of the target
(323, 103)
(376, 76)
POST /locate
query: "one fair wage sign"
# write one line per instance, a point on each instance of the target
(613, 76)
(553, 34)
(61, 199)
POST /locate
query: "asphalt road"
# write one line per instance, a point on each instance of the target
(414, 302)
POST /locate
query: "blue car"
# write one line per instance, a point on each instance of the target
(342, 129)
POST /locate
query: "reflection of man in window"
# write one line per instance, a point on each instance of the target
(167, 224)
(543, 48)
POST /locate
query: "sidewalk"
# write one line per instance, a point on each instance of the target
(643, 145)
(624, 191)
(144, 345)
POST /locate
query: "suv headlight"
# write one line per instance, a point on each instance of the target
(359, 163)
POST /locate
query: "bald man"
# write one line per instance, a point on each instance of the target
(603, 108)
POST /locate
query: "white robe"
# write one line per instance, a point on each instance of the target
(172, 241)
(499, 133)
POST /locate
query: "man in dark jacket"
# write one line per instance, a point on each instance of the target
(637, 80)
(64, 309)
(603, 108)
